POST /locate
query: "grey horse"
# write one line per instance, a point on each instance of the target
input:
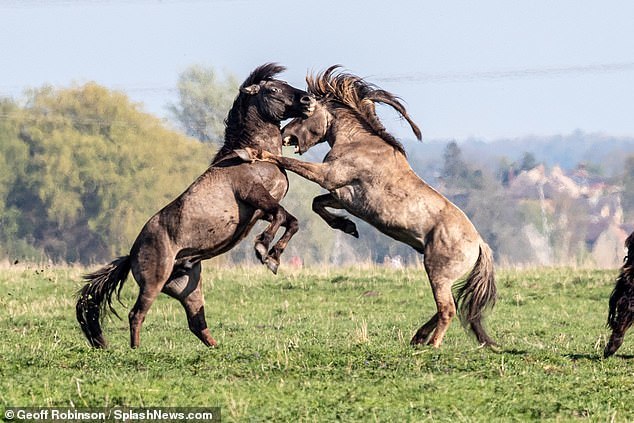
(366, 173)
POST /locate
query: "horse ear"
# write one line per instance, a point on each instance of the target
(251, 89)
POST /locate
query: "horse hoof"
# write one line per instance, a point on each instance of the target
(261, 252)
(418, 340)
(609, 351)
(273, 265)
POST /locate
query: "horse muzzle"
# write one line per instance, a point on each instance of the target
(309, 103)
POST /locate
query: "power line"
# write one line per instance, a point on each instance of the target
(29, 4)
(413, 77)
(497, 75)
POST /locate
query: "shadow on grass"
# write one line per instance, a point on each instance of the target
(597, 357)
(513, 351)
(590, 357)
(624, 356)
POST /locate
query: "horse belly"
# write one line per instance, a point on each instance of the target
(210, 222)
(398, 218)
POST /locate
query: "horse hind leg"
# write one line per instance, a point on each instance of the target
(185, 285)
(144, 301)
(446, 311)
(151, 268)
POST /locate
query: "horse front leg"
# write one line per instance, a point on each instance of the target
(334, 221)
(291, 227)
(268, 207)
(324, 174)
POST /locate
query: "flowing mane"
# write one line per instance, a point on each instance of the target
(360, 96)
(234, 123)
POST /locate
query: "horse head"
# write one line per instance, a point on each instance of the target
(305, 132)
(340, 90)
(276, 100)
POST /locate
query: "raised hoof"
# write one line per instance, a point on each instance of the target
(261, 252)
(350, 228)
(272, 264)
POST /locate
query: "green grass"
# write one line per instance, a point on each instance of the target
(318, 345)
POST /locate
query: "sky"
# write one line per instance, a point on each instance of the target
(464, 69)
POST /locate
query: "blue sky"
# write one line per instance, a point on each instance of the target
(486, 69)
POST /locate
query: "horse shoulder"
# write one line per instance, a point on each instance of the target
(267, 175)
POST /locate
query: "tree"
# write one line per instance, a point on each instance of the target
(456, 173)
(91, 169)
(528, 161)
(13, 160)
(204, 101)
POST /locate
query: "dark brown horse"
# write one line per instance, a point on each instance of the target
(621, 313)
(367, 174)
(210, 217)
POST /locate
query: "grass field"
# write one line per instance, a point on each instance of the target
(324, 345)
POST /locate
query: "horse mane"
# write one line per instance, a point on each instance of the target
(360, 96)
(235, 122)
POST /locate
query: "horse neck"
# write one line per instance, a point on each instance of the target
(348, 129)
(261, 133)
(252, 130)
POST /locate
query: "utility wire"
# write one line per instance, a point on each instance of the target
(496, 75)
(421, 77)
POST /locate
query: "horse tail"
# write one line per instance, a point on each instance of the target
(621, 305)
(477, 293)
(95, 298)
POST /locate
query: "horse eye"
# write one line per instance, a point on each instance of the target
(276, 90)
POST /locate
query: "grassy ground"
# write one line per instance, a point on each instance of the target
(323, 345)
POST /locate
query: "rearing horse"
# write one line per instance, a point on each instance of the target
(367, 174)
(209, 218)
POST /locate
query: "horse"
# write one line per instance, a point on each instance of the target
(621, 304)
(210, 217)
(366, 173)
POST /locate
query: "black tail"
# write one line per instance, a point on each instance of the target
(621, 312)
(477, 294)
(95, 298)
(621, 304)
